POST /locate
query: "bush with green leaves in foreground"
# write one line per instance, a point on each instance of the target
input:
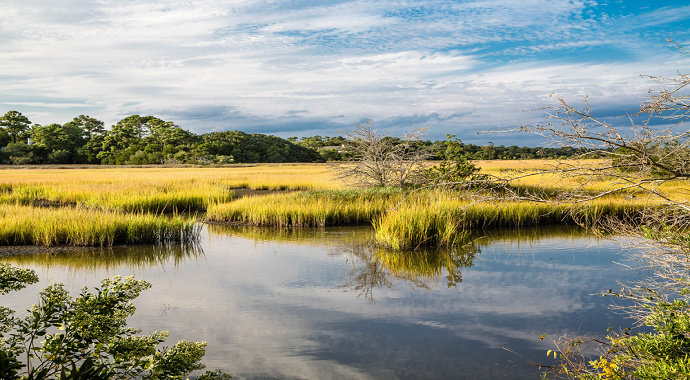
(87, 337)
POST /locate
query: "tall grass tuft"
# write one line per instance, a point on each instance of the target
(448, 221)
(22, 225)
(309, 208)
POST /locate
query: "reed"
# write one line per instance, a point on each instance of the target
(308, 209)
(155, 189)
(448, 221)
(23, 225)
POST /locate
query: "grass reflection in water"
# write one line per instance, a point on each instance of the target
(372, 266)
(375, 267)
(133, 257)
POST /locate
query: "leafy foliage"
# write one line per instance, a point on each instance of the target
(87, 337)
(15, 125)
(141, 140)
(236, 146)
(454, 166)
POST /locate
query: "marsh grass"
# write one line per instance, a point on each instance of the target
(406, 220)
(154, 189)
(24, 225)
(109, 206)
(308, 209)
(446, 220)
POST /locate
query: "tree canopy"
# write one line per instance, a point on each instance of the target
(139, 140)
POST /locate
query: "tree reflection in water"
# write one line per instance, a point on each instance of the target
(375, 267)
(371, 267)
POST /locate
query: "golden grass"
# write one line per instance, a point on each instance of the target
(440, 218)
(155, 189)
(316, 198)
(308, 209)
(24, 225)
(678, 189)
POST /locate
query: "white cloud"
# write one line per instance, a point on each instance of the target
(343, 60)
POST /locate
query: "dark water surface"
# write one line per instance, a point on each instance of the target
(324, 304)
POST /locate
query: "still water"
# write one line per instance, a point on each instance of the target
(325, 304)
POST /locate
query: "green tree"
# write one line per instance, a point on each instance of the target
(19, 153)
(93, 131)
(123, 140)
(167, 139)
(15, 125)
(454, 167)
(87, 337)
(57, 144)
(4, 138)
(255, 147)
(89, 125)
(144, 140)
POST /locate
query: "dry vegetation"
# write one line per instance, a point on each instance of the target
(84, 206)
(154, 189)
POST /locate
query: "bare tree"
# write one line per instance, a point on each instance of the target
(649, 159)
(381, 160)
(640, 160)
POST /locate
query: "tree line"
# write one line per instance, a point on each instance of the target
(139, 140)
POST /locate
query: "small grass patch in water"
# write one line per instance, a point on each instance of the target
(23, 225)
(309, 208)
(445, 220)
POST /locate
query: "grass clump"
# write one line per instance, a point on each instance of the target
(440, 219)
(23, 225)
(308, 209)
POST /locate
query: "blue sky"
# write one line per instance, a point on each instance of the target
(300, 68)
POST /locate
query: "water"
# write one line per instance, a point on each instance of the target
(322, 304)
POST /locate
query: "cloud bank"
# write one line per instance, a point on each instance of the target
(304, 68)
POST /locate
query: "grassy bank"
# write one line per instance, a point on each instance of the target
(24, 225)
(445, 220)
(404, 220)
(308, 209)
(105, 206)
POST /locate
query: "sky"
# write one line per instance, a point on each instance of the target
(304, 68)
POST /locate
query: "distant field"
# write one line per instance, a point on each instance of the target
(165, 189)
(156, 189)
(284, 195)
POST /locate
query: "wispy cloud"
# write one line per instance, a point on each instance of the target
(336, 62)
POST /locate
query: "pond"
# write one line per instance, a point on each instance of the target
(323, 303)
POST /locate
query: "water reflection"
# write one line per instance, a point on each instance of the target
(375, 267)
(284, 303)
(137, 257)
